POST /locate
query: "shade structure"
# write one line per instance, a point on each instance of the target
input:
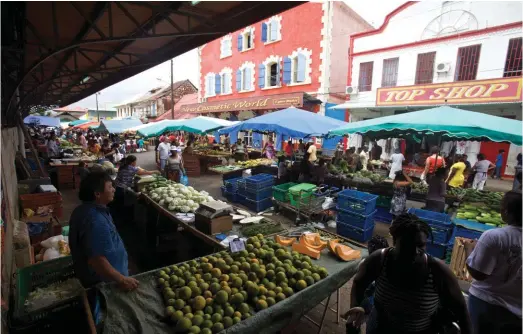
(290, 122)
(155, 129)
(84, 126)
(201, 125)
(78, 122)
(42, 121)
(118, 126)
(450, 123)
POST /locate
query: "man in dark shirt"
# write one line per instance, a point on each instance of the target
(376, 151)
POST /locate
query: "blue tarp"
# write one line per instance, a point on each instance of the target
(290, 122)
(118, 126)
(330, 143)
(42, 121)
(78, 122)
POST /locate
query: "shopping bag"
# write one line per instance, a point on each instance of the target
(184, 180)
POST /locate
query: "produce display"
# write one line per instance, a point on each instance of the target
(254, 163)
(482, 214)
(53, 293)
(264, 227)
(175, 196)
(213, 293)
(212, 152)
(363, 176)
(420, 188)
(311, 244)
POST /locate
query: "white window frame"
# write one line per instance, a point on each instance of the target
(210, 80)
(226, 90)
(247, 138)
(294, 67)
(226, 46)
(249, 31)
(273, 20)
(252, 78)
(268, 63)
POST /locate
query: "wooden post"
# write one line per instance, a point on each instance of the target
(43, 173)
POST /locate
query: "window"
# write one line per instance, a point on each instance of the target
(226, 47)
(389, 77)
(365, 80)
(244, 78)
(467, 63)
(513, 62)
(247, 138)
(271, 30)
(294, 69)
(245, 40)
(273, 75)
(425, 68)
(223, 81)
(269, 73)
(210, 85)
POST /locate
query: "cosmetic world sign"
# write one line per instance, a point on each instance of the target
(253, 103)
(465, 92)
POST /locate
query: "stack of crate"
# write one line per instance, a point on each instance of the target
(191, 164)
(442, 230)
(230, 189)
(383, 214)
(355, 218)
(255, 192)
(465, 229)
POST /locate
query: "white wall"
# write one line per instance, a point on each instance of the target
(440, 17)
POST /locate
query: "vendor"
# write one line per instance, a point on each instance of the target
(189, 148)
(52, 146)
(288, 150)
(376, 151)
(238, 151)
(364, 158)
(106, 151)
(268, 149)
(311, 151)
(435, 200)
(227, 142)
(94, 147)
(396, 163)
(456, 176)
(97, 250)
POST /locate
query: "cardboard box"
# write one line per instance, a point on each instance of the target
(213, 226)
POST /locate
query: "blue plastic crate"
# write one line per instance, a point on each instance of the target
(258, 195)
(468, 229)
(354, 219)
(357, 201)
(437, 250)
(353, 232)
(232, 184)
(432, 218)
(259, 181)
(231, 196)
(441, 235)
(383, 215)
(257, 206)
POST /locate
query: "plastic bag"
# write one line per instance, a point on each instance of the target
(52, 242)
(51, 254)
(184, 180)
(118, 157)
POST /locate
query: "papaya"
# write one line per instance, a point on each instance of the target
(320, 242)
(302, 248)
(284, 241)
(332, 245)
(346, 253)
(312, 244)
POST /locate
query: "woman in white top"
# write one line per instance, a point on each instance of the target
(174, 168)
(396, 163)
(482, 168)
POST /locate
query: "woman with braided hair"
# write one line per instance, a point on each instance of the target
(415, 293)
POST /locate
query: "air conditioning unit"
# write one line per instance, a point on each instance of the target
(443, 67)
(351, 90)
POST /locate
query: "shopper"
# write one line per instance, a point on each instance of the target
(435, 200)
(268, 149)
(301, 146)
(319, 172)
(81, 140)
(355, 160)
(174, 168)
(282, 171)
(311, 151)
(432, 163)
(415, 293)
(238, 151)
(482, 167)
(499, 165)
(163, 153)
(495, 264)
(305, 171)
(456, 176)
(52, 147)
(364, 158)
(401, 185)
(396, 163)
(97, 250)
(288, 150)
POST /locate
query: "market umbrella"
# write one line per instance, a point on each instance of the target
(42, 121)
(155, 129)
(290, 122)
(450, 123)
(78, 122)
(118, 126)
(200, 125)
(87, 125)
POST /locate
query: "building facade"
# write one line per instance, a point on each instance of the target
(156, 101)
(288, 58)
(464, 54)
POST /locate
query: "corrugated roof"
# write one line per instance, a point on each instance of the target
(186, 99)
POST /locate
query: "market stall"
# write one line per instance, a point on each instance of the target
(42, 121)
(118, 126)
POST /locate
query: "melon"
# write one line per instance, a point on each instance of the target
(346, 253)
(302, 248)
(332, 245)
(284, 241)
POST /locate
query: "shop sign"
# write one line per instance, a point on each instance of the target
(252, 103)
(480, 91)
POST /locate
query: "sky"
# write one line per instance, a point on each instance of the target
(186, 65)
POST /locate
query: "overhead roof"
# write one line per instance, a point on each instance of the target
(57, 53)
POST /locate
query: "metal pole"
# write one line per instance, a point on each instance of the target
(172, 91)
(97, 112)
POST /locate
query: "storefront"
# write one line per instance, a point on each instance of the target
(243, 109)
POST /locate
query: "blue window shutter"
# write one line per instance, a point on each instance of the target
(257, 139)
(261, 76)
(264, 32)
(248, 77)
(217, 84)
(239, 80)
(278, 73)
(274, 30)
(240, 42)
(287, 69)
(301, 67)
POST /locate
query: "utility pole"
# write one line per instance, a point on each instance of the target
(97, 112)
(172, 91)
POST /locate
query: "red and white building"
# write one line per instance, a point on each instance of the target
(468, 53)
(296, 58)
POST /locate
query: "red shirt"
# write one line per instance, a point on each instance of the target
(172, 138)
(433, 164)
(288, 150)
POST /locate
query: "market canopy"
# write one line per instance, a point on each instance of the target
(200, 125)
(42, 121)
(155, 129)
(291, 122)
(120, 126)
(84, 126)
(450, 123)
(78, 122)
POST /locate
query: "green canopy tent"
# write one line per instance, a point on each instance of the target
(198, 125)
(451, 124)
